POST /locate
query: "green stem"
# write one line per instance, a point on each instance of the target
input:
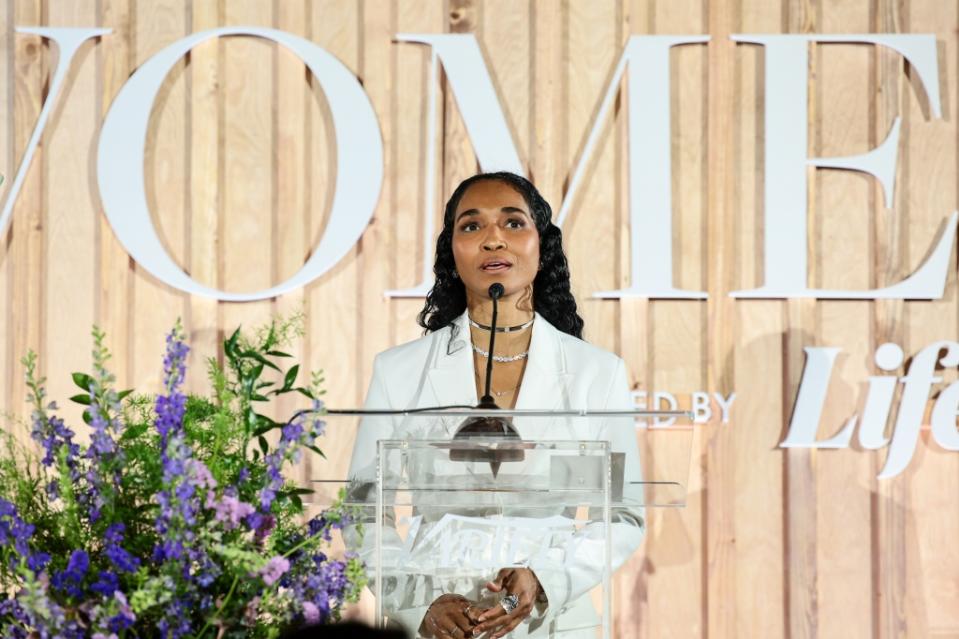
(71, 519)
(298, 546)
(237, 578)
(216, 615)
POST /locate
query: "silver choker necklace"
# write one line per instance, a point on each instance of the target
(505, 359)
(501, 329)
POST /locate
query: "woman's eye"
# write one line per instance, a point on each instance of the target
(469, 226)
(515, 223)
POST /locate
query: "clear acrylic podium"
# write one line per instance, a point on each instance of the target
(567, 494)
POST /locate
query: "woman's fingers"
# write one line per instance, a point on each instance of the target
(495, 621)
(494, 624)
(508, 628)
(474, 613)
(449, 620)
(493, 613)
(462, 622)
(449, 630)
(497, 584)
(438, 629)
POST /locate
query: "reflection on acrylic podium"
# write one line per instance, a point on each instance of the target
(564, 493)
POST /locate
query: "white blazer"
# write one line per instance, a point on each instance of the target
(562, 372)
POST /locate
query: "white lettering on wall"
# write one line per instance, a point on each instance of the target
(359, 163)
(785, 206)
(650, 167)
(810, 400)
(68, 42)
(917, 384)
(470, 82)
(701, 405)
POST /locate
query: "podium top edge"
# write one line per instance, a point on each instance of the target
(456, 411)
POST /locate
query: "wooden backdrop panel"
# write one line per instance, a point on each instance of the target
(240, 172)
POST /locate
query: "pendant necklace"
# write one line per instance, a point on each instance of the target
(502, 392)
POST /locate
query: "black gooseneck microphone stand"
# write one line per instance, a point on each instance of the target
(486, 401)
(488, 426)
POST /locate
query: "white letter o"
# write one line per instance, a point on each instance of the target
(120, 158)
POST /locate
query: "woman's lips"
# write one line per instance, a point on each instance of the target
(496, 267)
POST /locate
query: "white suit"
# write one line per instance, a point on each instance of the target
(562, 372)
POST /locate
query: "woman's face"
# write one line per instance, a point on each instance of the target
(494, 239)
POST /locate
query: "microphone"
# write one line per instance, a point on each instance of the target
(486, 401)
(488, 426)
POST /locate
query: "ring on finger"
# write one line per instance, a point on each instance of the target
(509, 603)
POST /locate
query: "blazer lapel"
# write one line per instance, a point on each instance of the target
(451, 373)
(545, 379)
(452, 379)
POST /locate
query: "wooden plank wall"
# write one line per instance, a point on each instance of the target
(239, 164)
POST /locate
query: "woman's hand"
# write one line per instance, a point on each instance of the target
(520, 582)
(448, 618)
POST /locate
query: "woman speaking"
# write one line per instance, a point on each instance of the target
(497, 228)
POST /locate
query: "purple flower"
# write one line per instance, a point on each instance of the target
(187, 485)
(118, 556)
(175, 499)
(174, 362)
(101, 443)
(175, 622)
(333, 574)
(292, 431)
(202, 476)
(103, 451)
(293, 437)
(114, 533)
(125, 616)
(107, 584)
(231, 511)
(171, 407)
(52, 433)
(169, 410)
(38, 561)
(316, 525)
(121, 559)
(320, 525)
(70, 580)
(17, 533)
(56, 438)
(11, 609)
(53, 490)
(193, 515)
(273, 570)
(79, 562)
(182, 475)
(317, 425)
(317, 584)
(35, 610)
(311, 614)
(264, 526)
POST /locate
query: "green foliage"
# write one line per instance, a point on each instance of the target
(229, 433)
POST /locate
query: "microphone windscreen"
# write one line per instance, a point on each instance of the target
(496, 291)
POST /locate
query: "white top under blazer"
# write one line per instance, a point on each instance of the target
(562, 372)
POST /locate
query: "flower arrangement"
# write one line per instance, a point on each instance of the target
(175, 520)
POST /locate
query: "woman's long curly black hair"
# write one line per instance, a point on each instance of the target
(552, 297)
